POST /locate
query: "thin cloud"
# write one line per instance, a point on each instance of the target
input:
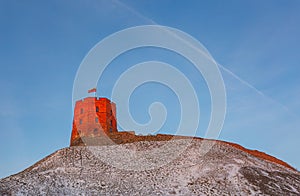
(247, 84)
(138, 14)
(256, 90)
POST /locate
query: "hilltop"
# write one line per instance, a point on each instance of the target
(223, 170)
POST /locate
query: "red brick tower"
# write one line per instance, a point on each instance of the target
(93, 117)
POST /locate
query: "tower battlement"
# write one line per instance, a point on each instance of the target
(93, 117)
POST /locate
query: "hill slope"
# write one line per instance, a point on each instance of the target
(223, 170)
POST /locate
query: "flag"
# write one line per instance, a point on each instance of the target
(92, 90)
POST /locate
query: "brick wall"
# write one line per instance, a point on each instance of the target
(93, 117)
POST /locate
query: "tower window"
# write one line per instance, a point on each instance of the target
(97, 109)
(81, 111)
(110, 122)
(96, 119)
(80, 121)
(95, 131)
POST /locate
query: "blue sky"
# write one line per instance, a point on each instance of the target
(42, 44)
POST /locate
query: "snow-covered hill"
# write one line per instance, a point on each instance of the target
(223, 170)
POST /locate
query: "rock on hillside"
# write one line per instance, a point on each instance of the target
(223, 170)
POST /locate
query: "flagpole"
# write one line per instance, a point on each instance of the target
(93, 90)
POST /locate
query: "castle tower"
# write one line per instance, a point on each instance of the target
(93, 117)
